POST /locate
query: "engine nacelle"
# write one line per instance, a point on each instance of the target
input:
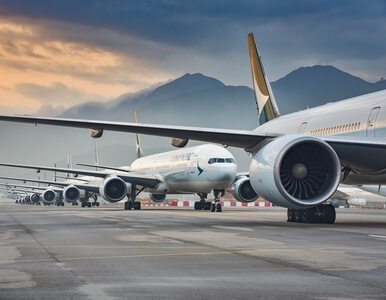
(242, 190)
(157, 197)
(49, 197)
(295, 171)
(71, 194)
(114, 189)
(35, 198)
(27, 199)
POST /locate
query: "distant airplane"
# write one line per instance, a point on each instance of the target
(298, 160)
(347, 195)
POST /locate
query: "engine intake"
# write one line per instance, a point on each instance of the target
(157, 197)
(49, 196)
(113, 189)
(295, 171)
(35, 198)
(71, 194)
(242, 190)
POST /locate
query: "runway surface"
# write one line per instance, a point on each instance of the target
(251, 253)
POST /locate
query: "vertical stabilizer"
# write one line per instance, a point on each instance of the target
(265, 101)
(69, 164)
(138, 145)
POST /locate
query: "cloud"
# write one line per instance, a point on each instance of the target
(55, 93)
(50, 110)
(112, 47)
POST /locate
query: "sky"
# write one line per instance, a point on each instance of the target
(56, 54)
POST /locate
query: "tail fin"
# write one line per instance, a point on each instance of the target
(69, 164)
(265, 101)
(138, 145)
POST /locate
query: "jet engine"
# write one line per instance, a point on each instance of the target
(157, 197)
(35, 198)
(295, 171)
(242, 190)
(49, 196)
(71, 194)
(113, 189)
(27, 199)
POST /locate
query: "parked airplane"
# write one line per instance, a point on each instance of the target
(298, 160)
(200, 169)
(357, 196)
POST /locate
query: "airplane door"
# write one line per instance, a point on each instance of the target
(303, 127)
(371, 122)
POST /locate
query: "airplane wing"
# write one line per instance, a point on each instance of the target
(138, 179)
(101, 167)
(235, 138)
(34, 187)
(52, 184)
(361, 154)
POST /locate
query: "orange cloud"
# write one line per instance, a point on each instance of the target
(34, 64)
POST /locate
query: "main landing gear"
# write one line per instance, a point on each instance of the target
(131, 203)
(320, 214)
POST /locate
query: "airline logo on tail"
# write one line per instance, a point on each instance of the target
(265, 101)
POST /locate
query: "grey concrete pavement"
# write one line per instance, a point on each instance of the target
(108, 253)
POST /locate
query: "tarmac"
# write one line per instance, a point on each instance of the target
(178, 253)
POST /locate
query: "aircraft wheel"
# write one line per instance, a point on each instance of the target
(88, 204)
(207, 205)
(128, 205)
(290, 215)
(197, 205)
(218, 207)
(213, 207)
(328, 214)
(137, 205)
(298, 215)
(97, 204)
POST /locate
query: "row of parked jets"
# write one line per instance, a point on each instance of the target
(298, 160)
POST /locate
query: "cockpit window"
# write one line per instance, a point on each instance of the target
(211, 161)
(221, 160)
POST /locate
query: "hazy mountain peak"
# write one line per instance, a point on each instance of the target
(187, 83)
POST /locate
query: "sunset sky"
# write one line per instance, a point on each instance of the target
(56, 54)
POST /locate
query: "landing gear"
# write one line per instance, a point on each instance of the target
(321, 214)
(202, 204)
(131, 203)
(94, 198)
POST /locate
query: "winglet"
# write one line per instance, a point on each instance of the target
(265, 100)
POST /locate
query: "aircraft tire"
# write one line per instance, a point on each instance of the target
(197, 205)
(328, 214)
(137, 205)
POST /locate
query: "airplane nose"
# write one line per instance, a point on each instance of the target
(227, 174)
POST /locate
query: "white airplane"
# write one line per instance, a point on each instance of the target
(199, 170)
(299, 159)
(358, 196)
